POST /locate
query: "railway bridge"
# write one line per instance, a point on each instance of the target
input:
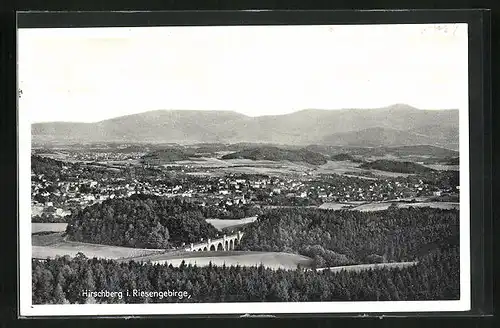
(226, 243)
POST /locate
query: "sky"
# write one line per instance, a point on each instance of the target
(93, 74)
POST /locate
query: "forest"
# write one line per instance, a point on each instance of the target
(168, 155)
(396, 166)
(333, 238)
(47, 166)
(271, 153)
(141, 221)
(62, 281)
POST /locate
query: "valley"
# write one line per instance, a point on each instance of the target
(357, 206)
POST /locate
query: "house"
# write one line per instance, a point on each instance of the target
(59, 211)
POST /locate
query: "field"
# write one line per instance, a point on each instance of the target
(348, 168)
(212, 166)
(334, 206)
(223, 224)
(52, 245)
(247, 166)
(363, 267)
(208, 162)
(380, 206)
(47, 239)
(54, 227)
(371, 207)
(215, 167)
(273, 260)
(442, 205)
(441, 167)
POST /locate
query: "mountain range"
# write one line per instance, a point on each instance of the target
(397, 125)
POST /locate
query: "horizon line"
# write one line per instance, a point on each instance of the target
(406, 106)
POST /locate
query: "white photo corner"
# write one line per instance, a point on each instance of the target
(273, 169)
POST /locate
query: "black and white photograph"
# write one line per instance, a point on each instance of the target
(243, 169)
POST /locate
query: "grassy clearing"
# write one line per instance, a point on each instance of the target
(371, 207)
(41, 227)
(364, 267)
(339, 167)
(273, 260)
(441, 167)
(441, 205)
(385, 205)
(349, 168)
(380, 206)
(62, 248)
(333, 206)
(42, 239)
(223, 224)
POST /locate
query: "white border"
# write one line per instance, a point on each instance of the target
(27, 309)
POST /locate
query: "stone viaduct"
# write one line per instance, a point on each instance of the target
(226, 243)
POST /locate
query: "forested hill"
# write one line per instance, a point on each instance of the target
(279, 154)
(141, 221)
(394, 125)
(396, 166)
(47, 166)
(334, 238)
(168, 155)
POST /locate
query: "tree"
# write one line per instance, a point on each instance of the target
(90, 300)
(59, 296)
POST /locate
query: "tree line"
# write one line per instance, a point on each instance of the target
(63, 280)
(396, 166)
(344, 237)
(140, 221)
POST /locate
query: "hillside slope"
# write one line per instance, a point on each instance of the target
(395, 125)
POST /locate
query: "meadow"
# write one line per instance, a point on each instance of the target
(53, 245)
(380, 206)
(364, 267)
(43, 227)
(224, 224)
(272, 260)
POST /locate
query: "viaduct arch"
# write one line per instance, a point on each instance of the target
(226, 243)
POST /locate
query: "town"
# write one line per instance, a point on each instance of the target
(88, 178)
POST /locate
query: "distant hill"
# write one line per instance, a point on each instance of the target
(416, 150)
(278, 154)
(420, 150)
(390, 126)
(342, 157)
(167, 156)
(378, 136)
(396, 166)
(443, 131)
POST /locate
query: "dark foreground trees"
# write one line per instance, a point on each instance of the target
(64, 280)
